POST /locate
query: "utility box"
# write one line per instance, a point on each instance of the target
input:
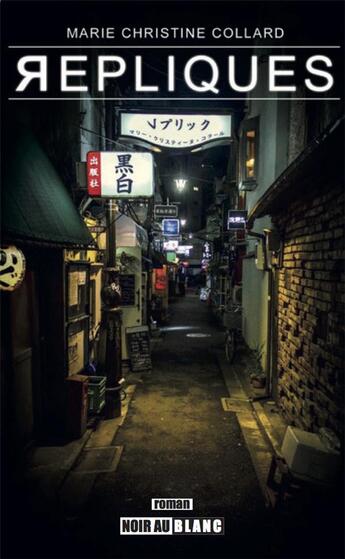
(308, 457)
(77, 405)
(96, 394)
(260, 256)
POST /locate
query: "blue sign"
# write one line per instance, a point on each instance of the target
(171, 227)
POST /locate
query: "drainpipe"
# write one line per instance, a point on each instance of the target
(262, 238)
(269, 382)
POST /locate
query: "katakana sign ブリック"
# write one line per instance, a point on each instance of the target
(120, 174)
(176, 131)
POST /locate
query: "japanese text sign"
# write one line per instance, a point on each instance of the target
(166, 211)
(176, 131)
(120, 174)
(237, 219)
(171, 227)
(170, 245)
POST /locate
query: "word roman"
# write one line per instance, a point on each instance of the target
(172, 504)
(280, 73)
(165, 526)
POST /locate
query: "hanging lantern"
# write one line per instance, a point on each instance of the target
(12, 268)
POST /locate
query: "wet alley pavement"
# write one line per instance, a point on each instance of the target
(177, 442)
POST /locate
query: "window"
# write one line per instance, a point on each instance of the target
(249, 151)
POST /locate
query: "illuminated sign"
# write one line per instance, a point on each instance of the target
(170, 245)
(176, 131)
(207, 251)
(184, 249)
(119, 174)
(237, 220)
(171, 227)
(171, 256)
(161, 280)
(12, 268)
(165, 211)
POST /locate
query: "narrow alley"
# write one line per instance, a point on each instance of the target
(178, 442)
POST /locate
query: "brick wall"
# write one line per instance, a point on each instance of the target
(311, 311)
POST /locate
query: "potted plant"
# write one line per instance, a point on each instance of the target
(258, 377)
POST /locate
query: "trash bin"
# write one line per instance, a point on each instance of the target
(77, 404)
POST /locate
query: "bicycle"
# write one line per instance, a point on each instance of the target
(232, 320)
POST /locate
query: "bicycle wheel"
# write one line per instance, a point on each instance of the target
(230, 345)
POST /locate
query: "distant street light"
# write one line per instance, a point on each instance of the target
(183, 222)
(180, 184)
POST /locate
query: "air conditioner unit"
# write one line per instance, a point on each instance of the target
(308, 457)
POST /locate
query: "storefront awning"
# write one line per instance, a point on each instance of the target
(36, 206)
(318, 164)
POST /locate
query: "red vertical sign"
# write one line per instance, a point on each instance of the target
(160, 279)
(93, 169)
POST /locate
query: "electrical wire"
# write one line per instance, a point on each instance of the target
(102, 136)
(109, 225)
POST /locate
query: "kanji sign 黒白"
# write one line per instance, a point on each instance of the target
(176, 131)
(120, 174)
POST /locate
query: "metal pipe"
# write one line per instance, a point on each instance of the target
(256, 235)
(111, 236)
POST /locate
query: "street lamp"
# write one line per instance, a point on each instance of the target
(183, 222)
(180, 184)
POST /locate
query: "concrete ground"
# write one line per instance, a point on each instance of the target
(177, 441)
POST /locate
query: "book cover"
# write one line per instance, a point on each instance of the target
(172, 279)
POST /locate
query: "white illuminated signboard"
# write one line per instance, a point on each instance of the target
(182, 249)
(237, 219)
(170, 245)
(120, 174)
(176, 131)
(165, 211)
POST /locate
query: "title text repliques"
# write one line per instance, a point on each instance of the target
(34, 70)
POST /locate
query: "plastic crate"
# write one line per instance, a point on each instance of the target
(96, 393)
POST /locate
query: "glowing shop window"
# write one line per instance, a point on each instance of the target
(250, 154)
